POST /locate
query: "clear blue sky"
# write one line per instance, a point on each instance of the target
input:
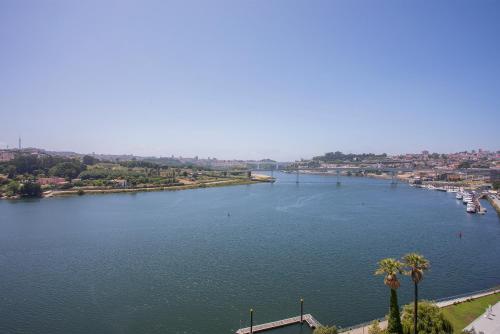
(250, 79)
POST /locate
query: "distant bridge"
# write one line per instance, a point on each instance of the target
(393, 171)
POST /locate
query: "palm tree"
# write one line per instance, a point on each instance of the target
(416, 264)
(391, 268)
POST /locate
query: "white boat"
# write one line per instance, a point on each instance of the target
(459, 195)
(467, 198)
(471, 207)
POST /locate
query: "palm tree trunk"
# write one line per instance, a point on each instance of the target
(415, 310)
(394, 323)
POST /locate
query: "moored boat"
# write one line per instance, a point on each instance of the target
(471, 207)
(467, 198)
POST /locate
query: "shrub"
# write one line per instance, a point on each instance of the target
(430, 319)
(326, 330)
(66, 169)
(375, 328)
(66, 186)
(12, 188)
(30, 189)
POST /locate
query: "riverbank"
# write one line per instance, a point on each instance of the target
(233, 182)
(495, 202)
(257, 178)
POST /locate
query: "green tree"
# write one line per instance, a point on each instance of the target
(10, 170)
(435, 155)
(430, 320)
(67, 169)
(95, 173)
(12, 188)
(375, 328)
(30, 189)
(89, 160)
(390, 268)
(416, 264)
(326, 330)
(464, 164)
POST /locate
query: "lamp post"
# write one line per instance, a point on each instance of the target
(251, 321)
(301, 310)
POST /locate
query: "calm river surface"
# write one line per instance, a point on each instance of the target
(175, 262)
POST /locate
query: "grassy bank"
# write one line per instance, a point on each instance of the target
(463, 314)
(233, 182)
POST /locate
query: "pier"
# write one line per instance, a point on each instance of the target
(307, 318)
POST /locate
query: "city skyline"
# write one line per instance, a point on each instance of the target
(250, 80)
(93, 153)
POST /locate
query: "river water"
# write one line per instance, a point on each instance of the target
(195, 261)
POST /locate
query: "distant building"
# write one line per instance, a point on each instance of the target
(120, 183)
(494, 175)
(51, 181)
(451, 177)
(6, 156)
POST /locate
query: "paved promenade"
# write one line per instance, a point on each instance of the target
(495, 202)
(464, 298)
(444, 303)
(488, 322)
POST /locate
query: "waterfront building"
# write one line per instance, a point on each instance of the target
(6, 156)
(120, 183)
(51, 181)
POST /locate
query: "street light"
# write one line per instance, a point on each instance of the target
(251, 321)
(301, 310)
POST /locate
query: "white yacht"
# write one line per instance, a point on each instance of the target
(459, 195)
(467, 198)
(471, 207)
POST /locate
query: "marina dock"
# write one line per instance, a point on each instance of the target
(307, 318)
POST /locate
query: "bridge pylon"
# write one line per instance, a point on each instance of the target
(394, 179)
(338, 177)
(297, 176)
